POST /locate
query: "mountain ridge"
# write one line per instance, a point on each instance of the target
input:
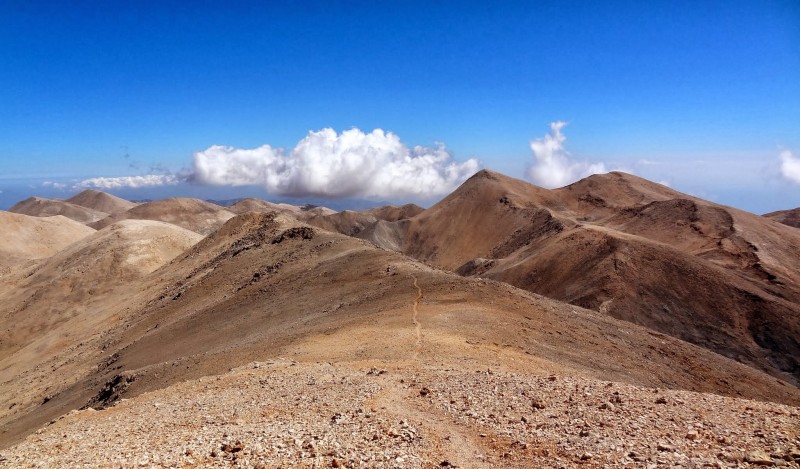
(610, 243)
(649, 292)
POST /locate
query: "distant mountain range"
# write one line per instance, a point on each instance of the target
(611, 279)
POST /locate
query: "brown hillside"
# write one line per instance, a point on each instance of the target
(265, 286)
(258, 205)
(32, 237)
(395, 213)
(101, 201)
(42, 207)
(192, 214)
(314, 210)
(716, 276)
(388, 235)
(488, 211)
(27, 237)
(74, 286)
(378, 225)
(347, 222)
(600, 192)
(301, 212)
(787, 217)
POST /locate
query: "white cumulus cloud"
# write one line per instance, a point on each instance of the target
(553, 165)
(327, 164)
(790, 166)
(149, 180)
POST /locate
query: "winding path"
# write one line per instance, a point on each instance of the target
(417, 325)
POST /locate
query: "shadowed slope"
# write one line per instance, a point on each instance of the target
(56, 312)
(383, 226)
(192, 214)
(394, 212)
(346, 222)
(66, 293)
(787, 217)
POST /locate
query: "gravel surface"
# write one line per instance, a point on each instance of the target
(286, 414)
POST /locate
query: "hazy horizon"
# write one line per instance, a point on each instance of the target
(63, 188)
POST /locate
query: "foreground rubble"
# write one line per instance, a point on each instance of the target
(370, 414)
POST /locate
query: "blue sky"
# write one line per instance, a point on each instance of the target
(702, 95)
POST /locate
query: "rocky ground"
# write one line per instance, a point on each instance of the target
(402, 414)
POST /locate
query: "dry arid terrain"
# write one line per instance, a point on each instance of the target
(614, 322)
(300, 212)
(41, 207)
(718, 277)
(787, 217)
(192, 214)
(100, 201)
(26, 238)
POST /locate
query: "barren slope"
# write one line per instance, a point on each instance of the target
(742, 242)
(604, 193)
(487, 211)
(262, 287)
(53, 304)
(347, 222)
(787, 217)
(384, 226)
(26, 237)
(42, 207)
(301, 212)
(716, 276)
(263, 206)
(192, 214)
(101, 201)
(394, 212)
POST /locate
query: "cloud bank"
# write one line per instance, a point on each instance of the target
(790, 166)
(132, 182)
(327, 164)
(553, 166)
